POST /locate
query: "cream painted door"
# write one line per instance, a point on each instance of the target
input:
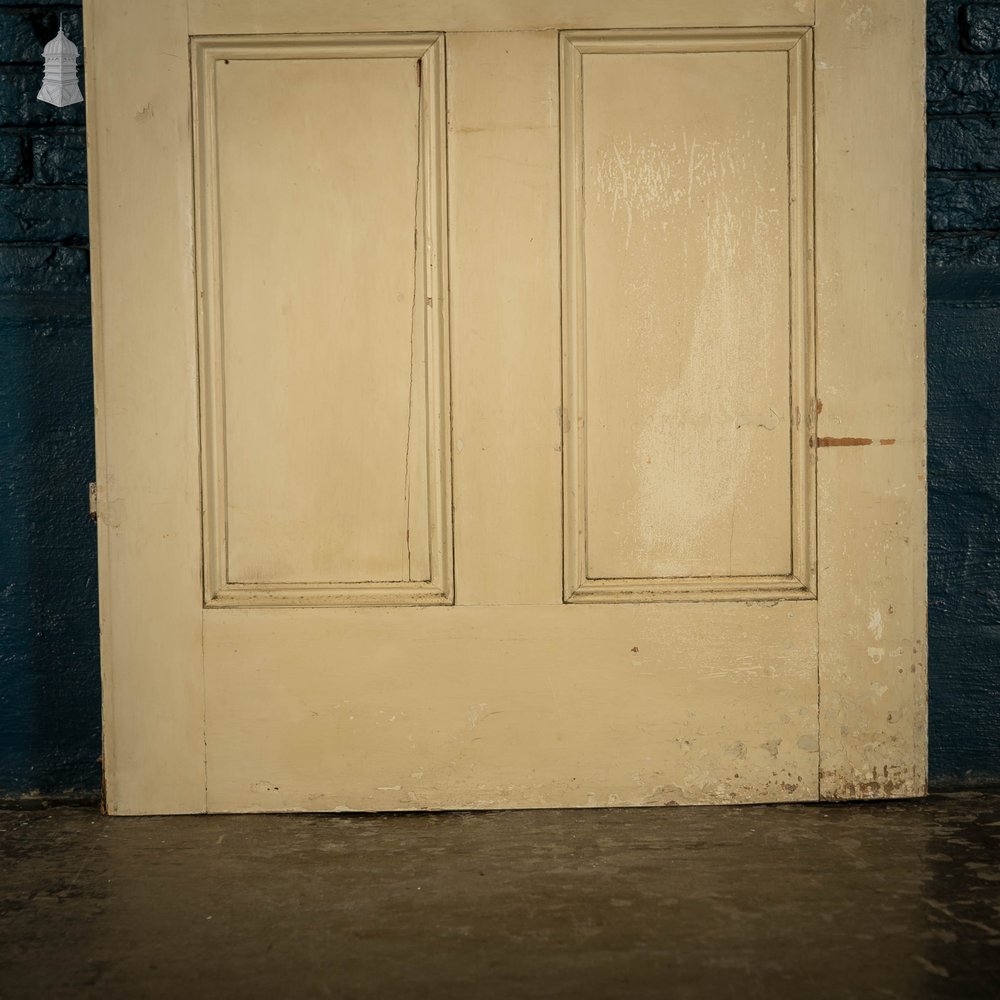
(508, 404)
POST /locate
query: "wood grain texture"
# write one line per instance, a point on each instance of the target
(688, 306)
(503, 149)
(145, 363)
(870, 375)
(253, 16)
(510, 707)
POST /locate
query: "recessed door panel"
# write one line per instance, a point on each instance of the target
(688, 321)
(324, 318)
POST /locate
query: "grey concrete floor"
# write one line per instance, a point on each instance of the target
(877, 900)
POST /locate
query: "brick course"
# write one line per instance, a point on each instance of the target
(963, 150)
(59, 157)
(960, 204)
(981, 27)
(965, 144)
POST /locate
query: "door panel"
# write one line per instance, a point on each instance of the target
(555, 287)
(322, 314)
(510, 707)
(688, 309)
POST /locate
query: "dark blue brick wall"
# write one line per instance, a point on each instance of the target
(49, 672)
(49, 666)
(963, 348)
(981, 27)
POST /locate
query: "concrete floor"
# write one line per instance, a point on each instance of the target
(879, 900)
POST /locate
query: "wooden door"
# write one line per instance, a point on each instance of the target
(508, 404)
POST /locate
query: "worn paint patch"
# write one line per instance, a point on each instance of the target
(721, 199)
(875, 625)
(861, 20)
(888, 781)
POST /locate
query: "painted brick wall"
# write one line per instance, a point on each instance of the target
(963, 342)
(49, 673)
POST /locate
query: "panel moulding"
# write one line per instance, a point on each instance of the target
(801, 583)
(427, 50)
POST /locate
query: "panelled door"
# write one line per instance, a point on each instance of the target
(508, 404)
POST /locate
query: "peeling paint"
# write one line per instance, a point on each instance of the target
(861, 20)
(652, 189)
(875, 623)
(891, 781)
